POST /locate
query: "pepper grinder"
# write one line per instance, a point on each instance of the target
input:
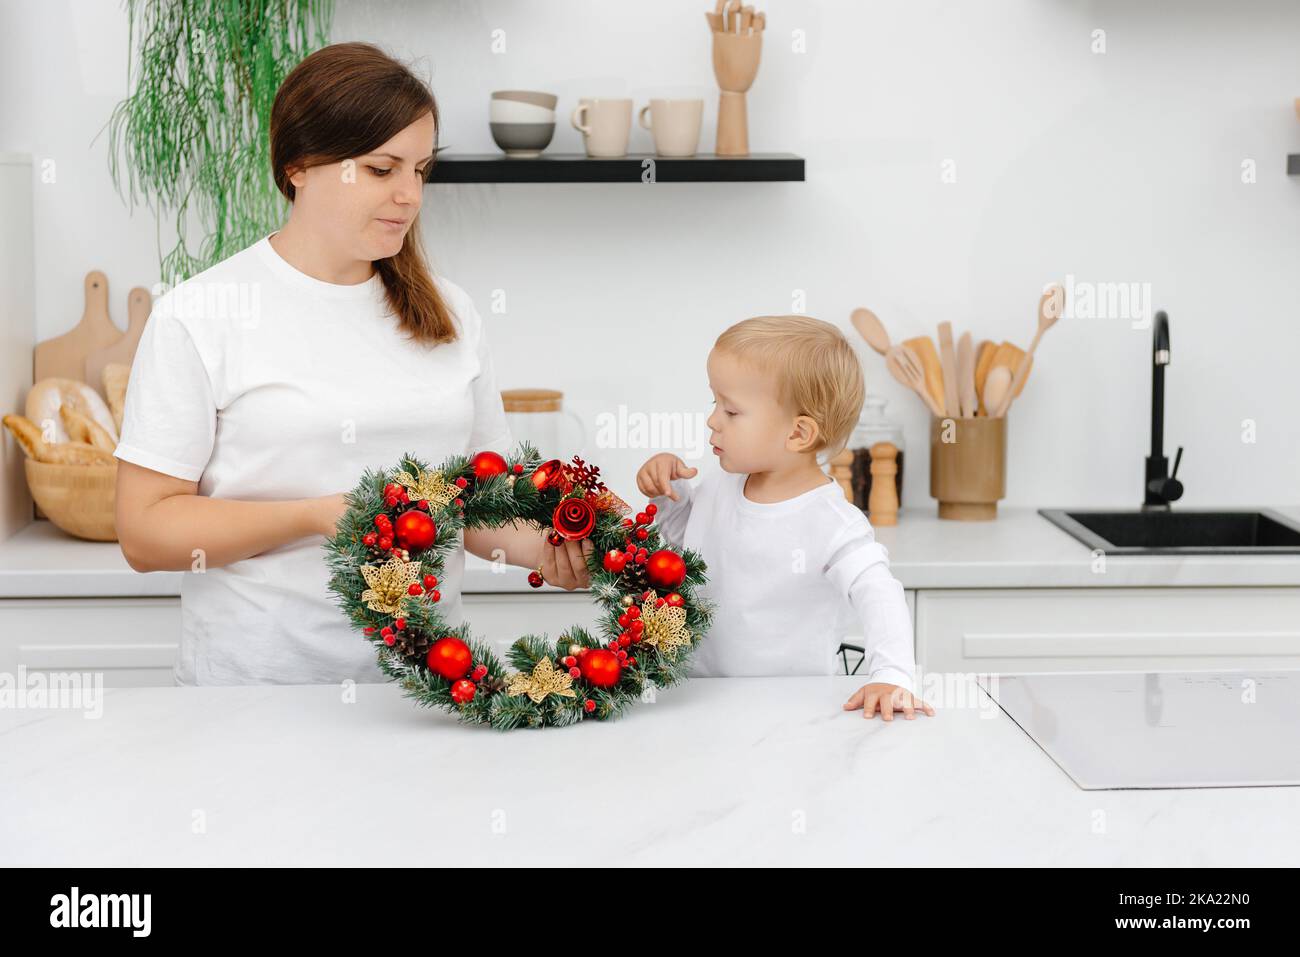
(737, 45)
(842, 472)
(882, 504)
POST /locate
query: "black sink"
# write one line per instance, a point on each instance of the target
(1183, 532)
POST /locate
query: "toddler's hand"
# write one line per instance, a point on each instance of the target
(656, 476)
(888, 697)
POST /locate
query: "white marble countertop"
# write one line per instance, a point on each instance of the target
(718, 771)
(1021, 549)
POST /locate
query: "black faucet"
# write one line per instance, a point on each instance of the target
(1162, 486)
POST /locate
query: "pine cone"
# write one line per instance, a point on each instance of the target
(635, 578)
(491, 684)
(413, 643)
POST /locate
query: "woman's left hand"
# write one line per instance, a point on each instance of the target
(565, 566)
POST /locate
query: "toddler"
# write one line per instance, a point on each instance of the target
(784, 548)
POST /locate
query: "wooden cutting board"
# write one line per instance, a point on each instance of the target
(65, 355)
(138, 305)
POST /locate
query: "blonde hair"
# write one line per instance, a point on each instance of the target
(816, 370)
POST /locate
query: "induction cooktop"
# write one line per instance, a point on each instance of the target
(1161, 729)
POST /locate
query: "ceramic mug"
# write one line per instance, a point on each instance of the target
(675, 125)
(605, 125)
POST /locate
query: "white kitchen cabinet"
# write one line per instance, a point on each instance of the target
(131, 641)
(1000, 630)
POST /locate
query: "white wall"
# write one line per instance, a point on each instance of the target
(1117, 167)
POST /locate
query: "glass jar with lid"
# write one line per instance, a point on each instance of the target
(873, 426)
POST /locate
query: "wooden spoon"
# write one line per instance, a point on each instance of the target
(871, 329)
(996, 389)
(902, 362)
(1050, 305)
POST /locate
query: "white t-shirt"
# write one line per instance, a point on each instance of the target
(783, 576)
(263, 383)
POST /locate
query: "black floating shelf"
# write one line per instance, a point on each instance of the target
(579, 168)
(1293, 164)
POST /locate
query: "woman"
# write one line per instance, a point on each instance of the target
(263, 387)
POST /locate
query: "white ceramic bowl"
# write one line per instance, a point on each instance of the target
(513, 111)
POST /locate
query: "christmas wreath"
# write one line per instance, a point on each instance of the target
(387, 557)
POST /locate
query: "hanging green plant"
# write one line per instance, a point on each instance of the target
(192, 138)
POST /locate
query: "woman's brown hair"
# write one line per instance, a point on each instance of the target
(341, 102)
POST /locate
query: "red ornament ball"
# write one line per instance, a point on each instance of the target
(665, 569)
(615, 561)
(451, 658)
(487, 464)
(463, 691)
(674, 600)
(535, 579)
(600, 667)
(415, 530)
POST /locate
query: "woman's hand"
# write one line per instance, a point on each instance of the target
(326, 512)
(565, 566)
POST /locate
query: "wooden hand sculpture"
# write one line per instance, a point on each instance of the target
(737, 44)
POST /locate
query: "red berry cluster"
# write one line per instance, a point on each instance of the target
(430, 585)
(633, 630)
(638, 530)
(463, 691)
(395, 495)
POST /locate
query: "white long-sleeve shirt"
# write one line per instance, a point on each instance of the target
(782, 575)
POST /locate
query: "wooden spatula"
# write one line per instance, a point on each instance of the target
(138, 304)
(983, 362)
(1009, 355)
(966, 375)
(1050, 305)
(948, 362)
(904, 365)
(65, 356)
(928, 356)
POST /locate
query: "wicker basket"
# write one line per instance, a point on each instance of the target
(76, 498)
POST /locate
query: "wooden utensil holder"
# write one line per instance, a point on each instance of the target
(969, 474)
